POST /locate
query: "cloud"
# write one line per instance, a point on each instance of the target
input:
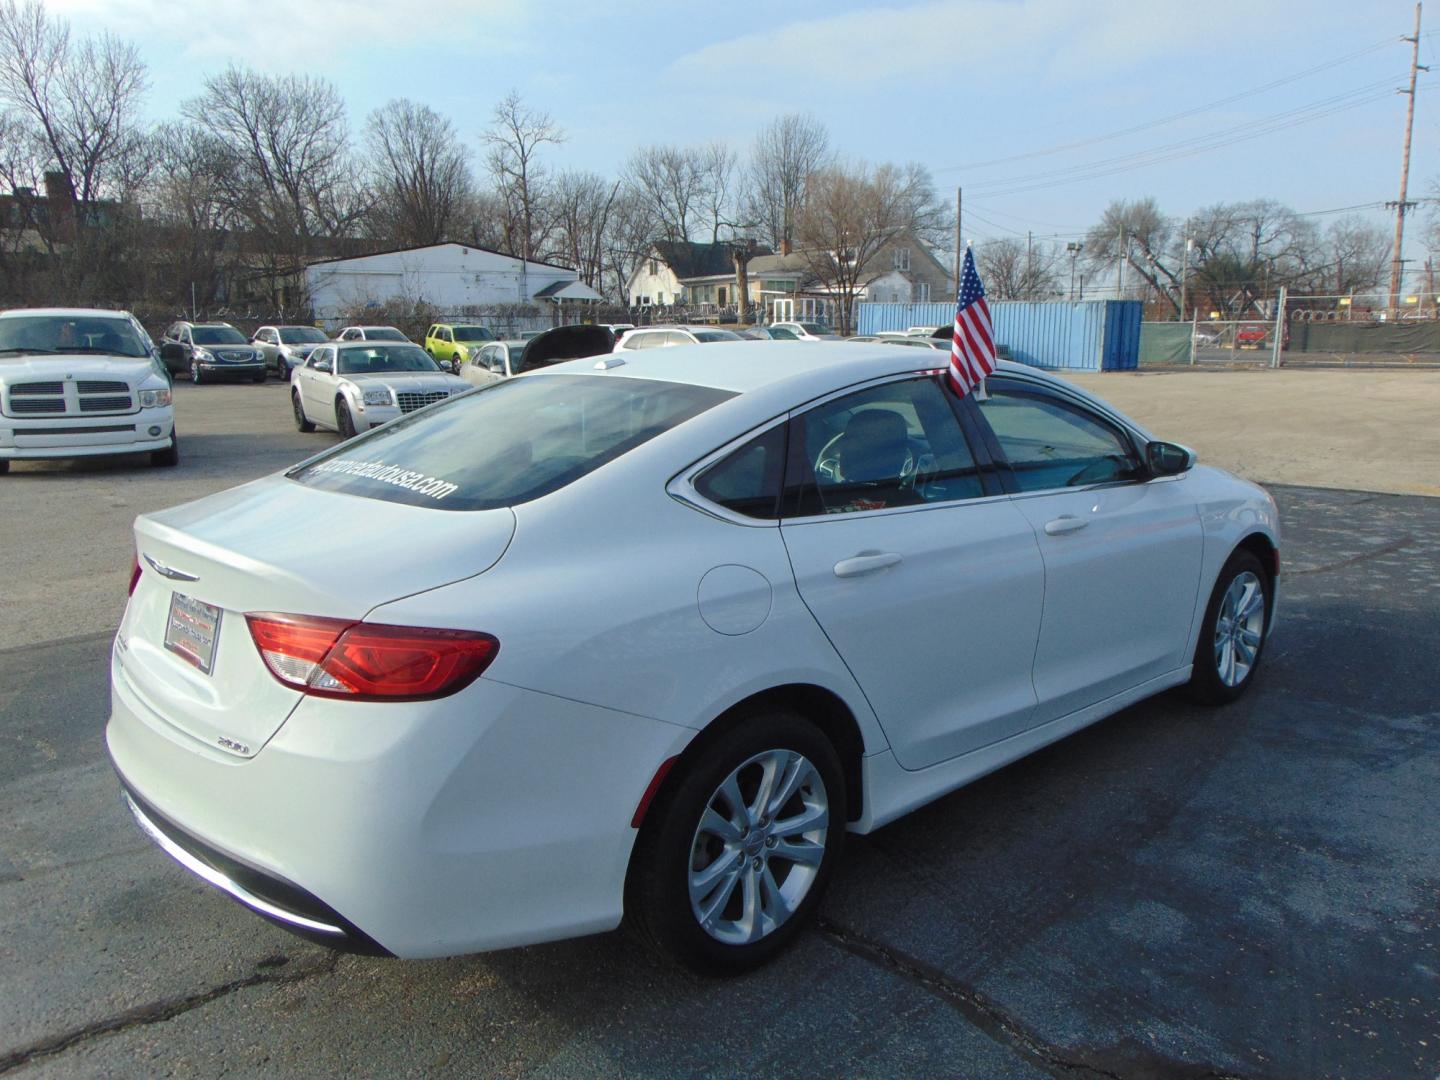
(947, 44)
(290, 35)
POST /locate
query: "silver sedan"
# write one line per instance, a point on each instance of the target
(354, 386)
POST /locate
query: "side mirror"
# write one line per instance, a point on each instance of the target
(1169, 459)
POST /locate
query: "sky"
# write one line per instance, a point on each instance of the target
(958, 85)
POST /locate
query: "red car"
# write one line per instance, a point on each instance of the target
(1251, 335)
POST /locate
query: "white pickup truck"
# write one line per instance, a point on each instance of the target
(79, 381)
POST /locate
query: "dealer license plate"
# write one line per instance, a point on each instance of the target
(192, 629)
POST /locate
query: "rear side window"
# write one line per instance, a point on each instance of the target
(513, 442)
(748, 480)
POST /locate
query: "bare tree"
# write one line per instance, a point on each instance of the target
(82, 97)
(580, 204)
(672, 182)
(515, 137)
(192, 223)
(718, 163)
(786, 152)
(1140, 235)
(851, 215)
(1013, 270)
(1358, 257)
(420, 173)
(629, 229)
(293, 182)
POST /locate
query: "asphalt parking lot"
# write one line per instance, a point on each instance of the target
(1176, 891)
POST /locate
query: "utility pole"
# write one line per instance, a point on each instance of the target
(1073, 247)
(957, 241)
(1120, 272)
(1029, 264)
(1396, 260)
(1185, 269)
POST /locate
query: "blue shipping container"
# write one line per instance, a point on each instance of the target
(1094, 335)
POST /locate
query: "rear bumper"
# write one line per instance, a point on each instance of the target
(282, 902)
(82, 436)
(493, 818)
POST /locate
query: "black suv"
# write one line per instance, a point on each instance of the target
(211, 350)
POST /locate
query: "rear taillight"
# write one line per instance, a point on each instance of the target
(367, 661)
(134, 575)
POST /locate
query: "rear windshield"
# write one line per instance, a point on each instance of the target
(703, 336)
(509, 443)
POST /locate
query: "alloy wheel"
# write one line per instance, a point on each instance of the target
(1239, 628)
(758, 847)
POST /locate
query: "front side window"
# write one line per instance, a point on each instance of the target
(1053, 443)
(320, 358)
(507, 444)
(896, 444)
(748, 480)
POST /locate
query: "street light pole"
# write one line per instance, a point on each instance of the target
(1185, 273)
(1073, 247)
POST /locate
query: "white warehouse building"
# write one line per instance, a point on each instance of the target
(452, 277)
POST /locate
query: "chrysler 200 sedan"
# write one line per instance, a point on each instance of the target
(641, 637)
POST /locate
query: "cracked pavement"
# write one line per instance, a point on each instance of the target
(1176, 891)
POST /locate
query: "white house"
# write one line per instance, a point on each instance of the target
(452, 277)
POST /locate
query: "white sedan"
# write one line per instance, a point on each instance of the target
(352, 386)
(643, 636)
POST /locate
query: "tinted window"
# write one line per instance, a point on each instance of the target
(473, 333)
(216, 335)
(384, 333)
(747, 480)
(897, 444)
(782, 333)
(379, 358)
(300, 335)
(1051, 443)
(71, 334)
(507, 444)
(716, 335)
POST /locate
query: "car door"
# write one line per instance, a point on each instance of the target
(1122, 550)
(317, 386)
(921, 571)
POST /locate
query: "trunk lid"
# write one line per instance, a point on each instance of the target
(276, 545)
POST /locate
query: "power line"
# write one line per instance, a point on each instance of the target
(1188, 147)
(1061, 148)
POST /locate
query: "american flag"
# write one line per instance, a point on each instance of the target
(972, 353)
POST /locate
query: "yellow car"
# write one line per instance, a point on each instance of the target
(451, 345)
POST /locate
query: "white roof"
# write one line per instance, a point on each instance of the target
(66, 312)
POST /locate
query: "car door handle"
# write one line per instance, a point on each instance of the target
(866, 563)
(1065, 523)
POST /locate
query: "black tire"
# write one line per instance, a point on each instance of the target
(170, 456)
(657, 899)
(263, 376)
(302, 422)
(343, 420)
(196, 376)
(4, 466)
(1208, 685)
